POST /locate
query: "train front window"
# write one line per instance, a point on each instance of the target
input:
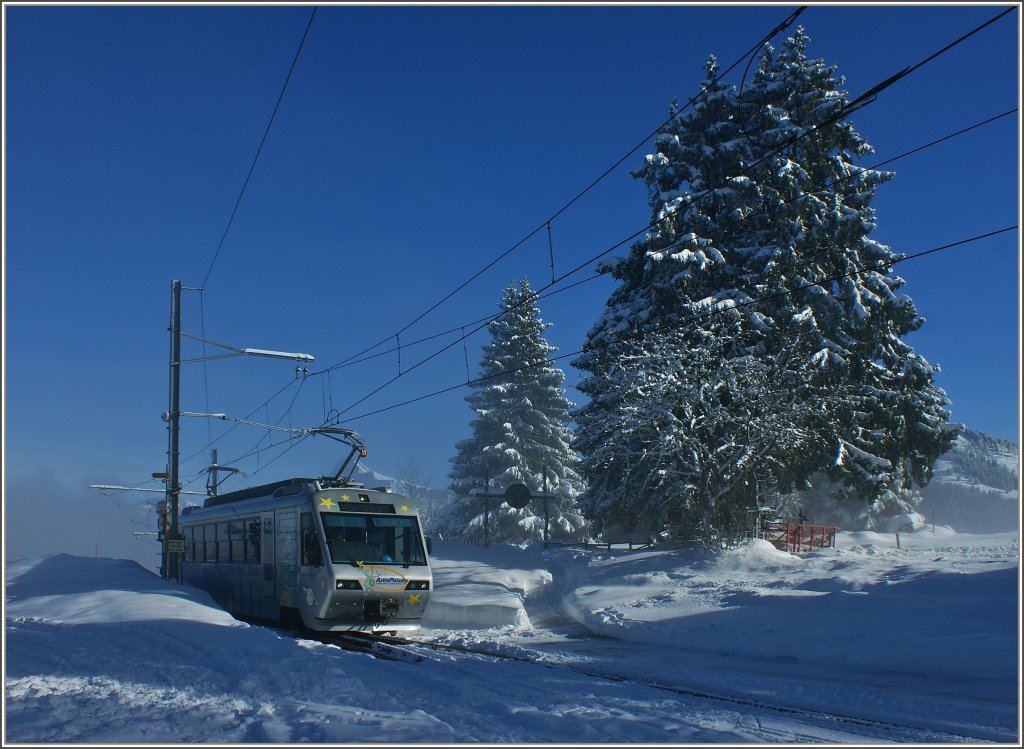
(373, 539)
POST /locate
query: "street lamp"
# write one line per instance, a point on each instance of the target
(174, 544)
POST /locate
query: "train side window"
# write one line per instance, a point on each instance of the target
(211, 542)
(223, 543)
(252, 542)
(311, 555)
(235, 534)
(189, 555)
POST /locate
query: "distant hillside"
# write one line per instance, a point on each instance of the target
(976, 485)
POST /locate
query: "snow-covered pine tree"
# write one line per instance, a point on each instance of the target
(520, 432)
(759, 273)
(663, 354)
(885, 417)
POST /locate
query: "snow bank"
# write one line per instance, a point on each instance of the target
(477, 587)
(102, 591)
(925, 608)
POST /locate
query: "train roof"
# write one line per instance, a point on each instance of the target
(286, 488)
(293, 487)
(265, 490)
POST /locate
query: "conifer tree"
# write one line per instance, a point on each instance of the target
(520, 433)
(769, 317)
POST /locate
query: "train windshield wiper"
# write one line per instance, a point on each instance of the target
(343, 547)
(352, 560)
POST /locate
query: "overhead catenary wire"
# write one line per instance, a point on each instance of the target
(277, 457)
(259, 149)
(719, 308)
(234, 212)
(276, 426)
(844, 111)
(868, 96)
(206, 378)
(859, 102)
(863, 100)
(540, 295)
(782, 26)
(269, 400)
(460, 329)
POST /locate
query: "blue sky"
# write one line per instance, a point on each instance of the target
(412, 147)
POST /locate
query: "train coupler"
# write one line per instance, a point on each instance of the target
(378, 612)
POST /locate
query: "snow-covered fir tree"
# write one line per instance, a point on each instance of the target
(520, 434)
(757, 327)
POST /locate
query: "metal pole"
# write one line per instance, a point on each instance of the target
(211, 485)
(487, 507)
(171, 559)
(545, 507)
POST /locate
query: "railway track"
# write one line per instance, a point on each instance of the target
(403, 649)
(385, 648)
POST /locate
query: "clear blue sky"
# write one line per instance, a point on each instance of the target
(412, 146)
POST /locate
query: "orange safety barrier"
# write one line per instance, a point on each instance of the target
(797, 537)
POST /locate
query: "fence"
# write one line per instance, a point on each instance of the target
(797, 537)
(622, 545)
(609, 545)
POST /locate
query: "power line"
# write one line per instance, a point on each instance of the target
(598, 257)
(210, 444)
(690, 102)
(539, 295)
(845, 110)
(863, 100)
(880, 266)
(945, 138)
(259, 150)
(291, 446)
(256, 450)
(461, 328)
(231, 219)
(276, 426)
(908, 71)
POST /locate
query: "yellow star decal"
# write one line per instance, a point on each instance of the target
(405, 508)
(326, 502)
(414, 598)
(344, 498)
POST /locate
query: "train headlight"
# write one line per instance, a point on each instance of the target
(418, 585)
(348, 585)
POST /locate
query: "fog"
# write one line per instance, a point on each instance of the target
(44, 514)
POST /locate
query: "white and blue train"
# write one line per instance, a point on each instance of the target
(328, 551)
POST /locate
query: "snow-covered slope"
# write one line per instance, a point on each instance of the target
(976, 487)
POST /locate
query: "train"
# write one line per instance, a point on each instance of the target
(327, 552)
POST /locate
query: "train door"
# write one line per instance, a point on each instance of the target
(287, 551)
(261, 549)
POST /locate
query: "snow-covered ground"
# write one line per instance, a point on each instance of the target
(864, 642)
